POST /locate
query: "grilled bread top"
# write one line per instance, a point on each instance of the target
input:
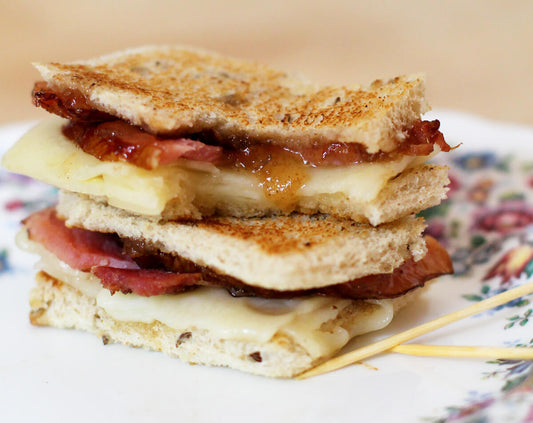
(178, 90)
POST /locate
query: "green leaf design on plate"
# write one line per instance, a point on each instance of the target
(511, 383)
(440, 210)
(503, 165)
(529, 268)
(521, 320)
(511, 195)
(455, 228)
(522, 302)
(472, 297)
(477, 240)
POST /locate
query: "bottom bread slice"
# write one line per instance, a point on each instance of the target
(55, 303)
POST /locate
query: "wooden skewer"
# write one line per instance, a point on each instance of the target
(388, 343)
(520, 353)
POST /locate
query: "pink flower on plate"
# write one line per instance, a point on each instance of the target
(454, 184)
(529, 181)
(14, 205)
(437, 229)
(508, 217)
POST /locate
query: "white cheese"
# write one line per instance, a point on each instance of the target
(45, 154)
(213, 309)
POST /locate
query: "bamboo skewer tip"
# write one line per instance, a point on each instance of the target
(395, 340)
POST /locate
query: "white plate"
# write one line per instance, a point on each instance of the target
(55, 375)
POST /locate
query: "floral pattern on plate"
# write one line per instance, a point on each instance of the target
(487, 227)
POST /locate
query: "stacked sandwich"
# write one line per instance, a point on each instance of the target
(227, 213)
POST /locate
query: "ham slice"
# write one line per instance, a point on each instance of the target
(103, 255)
(69, 104)
(144, 282)
(422, 138)
(403, 279)
(79, 248)
(118, 141)
(408, 276)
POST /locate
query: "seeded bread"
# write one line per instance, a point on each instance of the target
(184, 90)
(283, 253)
(54, 303)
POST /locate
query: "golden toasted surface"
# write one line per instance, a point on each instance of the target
(283, 253)
(288, 234)
(183, 90)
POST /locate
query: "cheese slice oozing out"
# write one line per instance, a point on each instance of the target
(256, 320)
(45, 154)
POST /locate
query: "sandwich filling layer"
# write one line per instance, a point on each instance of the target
(136, 267)
(283, 253)
(190, 188)
(117, 140)
(304, 320)
(280, 170)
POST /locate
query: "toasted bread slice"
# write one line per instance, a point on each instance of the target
(286, 352)
(182, 90)
(283, 253)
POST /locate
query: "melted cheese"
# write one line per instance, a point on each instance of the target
(45, 154)
(304, 320)
(212, 309)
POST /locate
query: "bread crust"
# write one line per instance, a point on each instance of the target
(55, 303)
(172, 89)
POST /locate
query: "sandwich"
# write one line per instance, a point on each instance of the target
(227, 213)
(174, 133)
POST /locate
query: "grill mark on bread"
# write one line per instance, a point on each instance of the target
(282, 234)
(243, 150)
(372, 286)
(195, 90)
